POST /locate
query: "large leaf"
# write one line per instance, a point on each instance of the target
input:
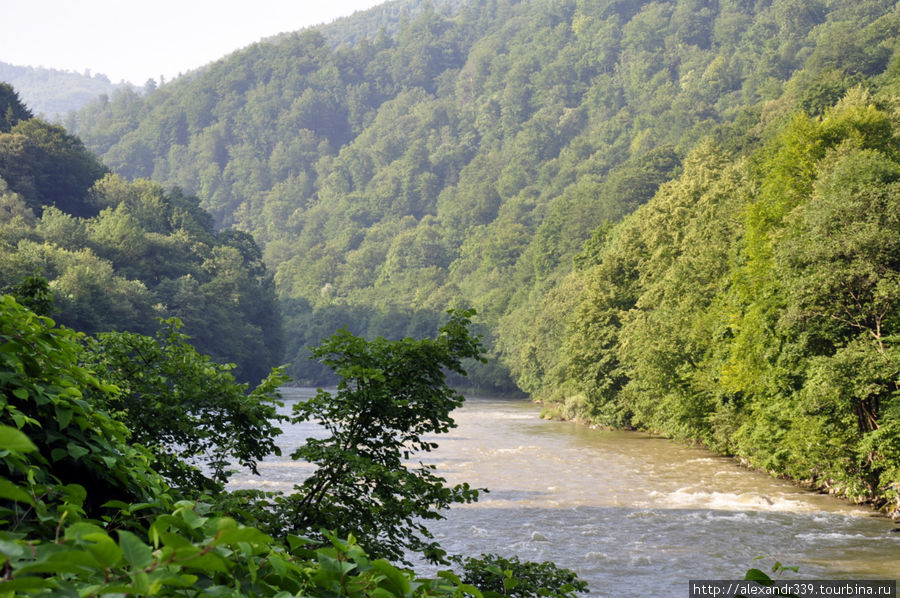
(136, 553)
(16, 441)
(105, 550)
(10, 491)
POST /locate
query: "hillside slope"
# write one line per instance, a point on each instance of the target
(467, 159)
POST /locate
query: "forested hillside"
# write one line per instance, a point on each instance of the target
(466, 160)
(384, 19)
(486, 156)
(118, 254)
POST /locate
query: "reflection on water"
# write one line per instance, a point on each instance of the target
(632, 514)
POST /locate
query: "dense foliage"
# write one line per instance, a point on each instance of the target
(84, 512)
(120, 254)
(198, 422)
(391, 400)
(516, 579)
(752, 305)
(47, 395)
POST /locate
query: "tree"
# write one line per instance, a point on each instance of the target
(61, 168)
(12, 110)
(841, 267)
(45, 392)
(34, 293)
(514, 579)
(392, 394)
(13, 207)
(186, 408)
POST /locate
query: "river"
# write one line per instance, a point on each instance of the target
(632, 514)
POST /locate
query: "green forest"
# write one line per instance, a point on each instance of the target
(669, 215)
(679, 216)
(121, 254)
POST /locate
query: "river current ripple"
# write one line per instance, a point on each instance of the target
(632, 514)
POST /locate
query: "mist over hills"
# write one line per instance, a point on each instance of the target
(53, 93)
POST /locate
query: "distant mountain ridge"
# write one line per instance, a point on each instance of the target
(52, 93)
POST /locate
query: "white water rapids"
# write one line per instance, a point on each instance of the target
(633, 515)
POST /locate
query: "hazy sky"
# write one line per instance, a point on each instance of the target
(138, 39)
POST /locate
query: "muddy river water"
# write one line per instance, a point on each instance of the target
(634, 515)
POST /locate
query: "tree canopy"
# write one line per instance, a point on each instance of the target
(119, 255)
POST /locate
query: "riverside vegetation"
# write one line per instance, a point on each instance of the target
(679, 216)
(116, 446)
(87, 510)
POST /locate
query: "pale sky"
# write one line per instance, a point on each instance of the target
(135, 40)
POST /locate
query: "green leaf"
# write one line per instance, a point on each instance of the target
(332, 565)
(141, 582)
(83, 530)
(74, 556)
(11, 550)
(19, 419)
(104, 549)
(65, 563)
(190, 517)
(77, 451)
(63, 417)
(25, 583)
(174, 541)
(398, 582)
(244, 534)
(10, 491)
(161, 577)
(207, 562)
(15, 440)
(136, 553)
(117, 590)
(470, 589)
(758, 576)
(296, 542)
